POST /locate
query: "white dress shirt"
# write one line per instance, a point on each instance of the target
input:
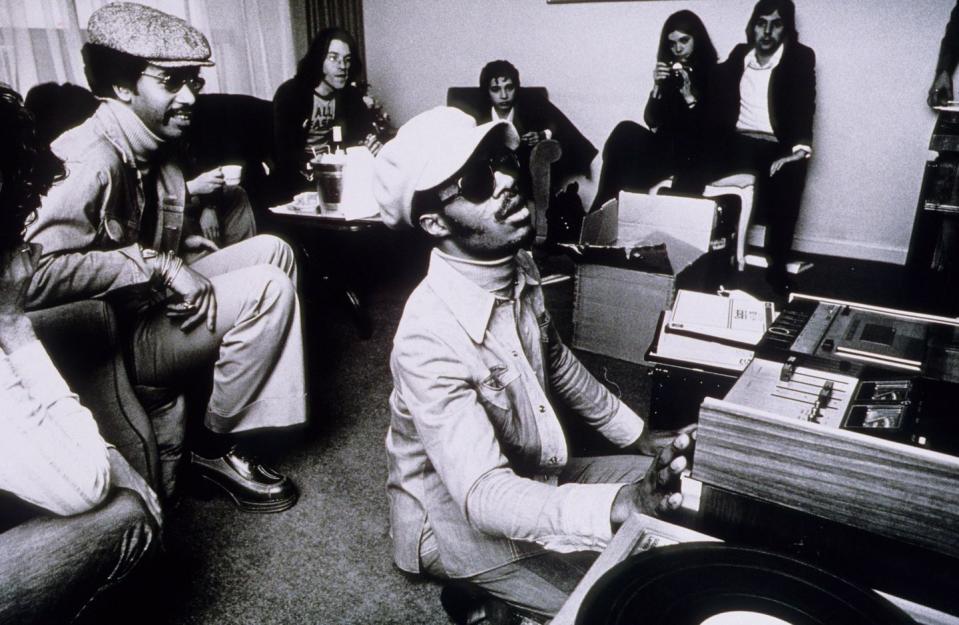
(754, 93)
(754, 97)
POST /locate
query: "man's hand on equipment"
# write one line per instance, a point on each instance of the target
(659, 490)
(651, 441)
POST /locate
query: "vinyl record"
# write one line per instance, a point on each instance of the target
(689, 583)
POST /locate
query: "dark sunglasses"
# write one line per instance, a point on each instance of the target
(174, 82)
(478, 181)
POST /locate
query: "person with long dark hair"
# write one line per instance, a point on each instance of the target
(320, 108)
(636, 158)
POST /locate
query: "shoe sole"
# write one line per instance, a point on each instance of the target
(252, 506)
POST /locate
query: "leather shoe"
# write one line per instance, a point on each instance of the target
(253, 487)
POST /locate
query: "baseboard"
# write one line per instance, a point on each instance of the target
(845, 248)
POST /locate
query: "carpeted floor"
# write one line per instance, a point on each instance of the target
(328, 560)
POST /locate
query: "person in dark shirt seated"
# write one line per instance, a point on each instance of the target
(636, 158)
(320, 109)
(500, 81)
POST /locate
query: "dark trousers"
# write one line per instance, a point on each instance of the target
(778, 197)
(635, 159)
(52, 567)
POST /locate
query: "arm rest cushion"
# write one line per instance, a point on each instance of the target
(81, 338)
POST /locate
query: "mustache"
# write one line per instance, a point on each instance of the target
(186, 108)
(511, 203)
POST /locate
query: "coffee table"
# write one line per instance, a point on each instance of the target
(319, 235)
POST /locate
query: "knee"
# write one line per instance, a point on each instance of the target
(125, 515)
(125, 509)
(274, 287)
(235, 195)
(624, 134)
(279, 253)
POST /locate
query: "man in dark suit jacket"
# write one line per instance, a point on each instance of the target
(764, 107)
(533, 116)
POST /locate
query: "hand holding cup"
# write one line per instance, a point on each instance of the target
(231, 174)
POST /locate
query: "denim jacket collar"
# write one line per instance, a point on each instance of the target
(472, 306)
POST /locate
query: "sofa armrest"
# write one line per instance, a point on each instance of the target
(82, 340)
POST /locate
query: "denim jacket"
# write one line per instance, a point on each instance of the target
(89, 222)
(474, 446)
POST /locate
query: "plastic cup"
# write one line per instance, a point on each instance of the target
(329, 186)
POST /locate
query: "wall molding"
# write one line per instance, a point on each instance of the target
(846, 248)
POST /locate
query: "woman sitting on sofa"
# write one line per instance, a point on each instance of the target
(319, 109)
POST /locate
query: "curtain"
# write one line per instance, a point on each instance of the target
(251, 41)
(347, 14)
(40, 42)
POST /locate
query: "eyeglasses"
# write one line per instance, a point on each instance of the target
(336, 59)
(174, 82)
(478, 181)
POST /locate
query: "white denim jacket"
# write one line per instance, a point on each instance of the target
(89, 223)
(474, 445)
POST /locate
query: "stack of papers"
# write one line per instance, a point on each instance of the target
(741, 320)
(698, 352)
(716, 331)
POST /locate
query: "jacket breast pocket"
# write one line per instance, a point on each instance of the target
(507, 406)
(493, 388)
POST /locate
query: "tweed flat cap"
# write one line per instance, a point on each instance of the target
(427, 150)
(163, 39)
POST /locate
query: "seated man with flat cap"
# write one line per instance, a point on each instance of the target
(481, 484)
(114, 228)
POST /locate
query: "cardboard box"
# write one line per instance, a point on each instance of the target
(632, 256)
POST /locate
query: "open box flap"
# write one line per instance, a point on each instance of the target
(656, 233)
(651, 258)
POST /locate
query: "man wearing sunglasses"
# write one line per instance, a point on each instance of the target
(114, 228)
(481, 483)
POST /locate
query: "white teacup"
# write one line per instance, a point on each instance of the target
(231, 174)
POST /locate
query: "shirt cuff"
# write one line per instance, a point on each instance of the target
(142, 271)
(802, 148)
(624, 428)
(36, 371)
(591, 529)
(548, 134)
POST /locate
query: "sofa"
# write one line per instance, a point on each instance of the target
(82, 340)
